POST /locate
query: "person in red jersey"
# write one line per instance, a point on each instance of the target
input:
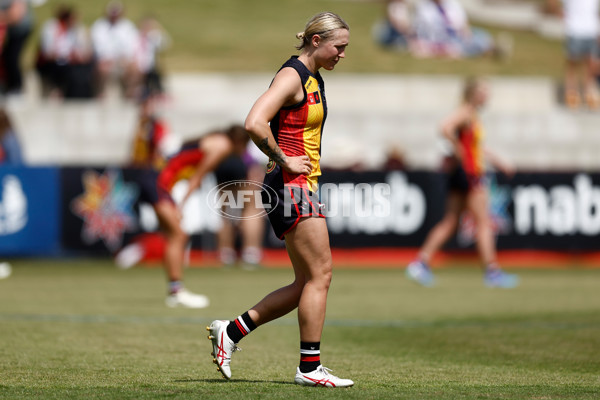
(286, 123)
(194, 160)
(152, 144)
(467, 190)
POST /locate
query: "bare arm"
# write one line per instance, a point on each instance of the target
(215, 149)
(499, 163)
(285, 90)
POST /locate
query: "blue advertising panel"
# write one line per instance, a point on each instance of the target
(29, 211)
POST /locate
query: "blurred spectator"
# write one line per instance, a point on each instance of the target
(581, 47)
(552, 7)
(152, 40)
(442, 30)
(115, 39)
(395, 31)
(10, 149)
(17, 17)
(65, 57)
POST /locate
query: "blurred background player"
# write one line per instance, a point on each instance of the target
(196, 158)
(247, 231)
(286, 124)
(156, 177)
(153, 143)
(467, 190)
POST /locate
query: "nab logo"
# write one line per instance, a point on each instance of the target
(230, 199)
(13, 206)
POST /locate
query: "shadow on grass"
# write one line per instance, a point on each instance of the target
(231, 381)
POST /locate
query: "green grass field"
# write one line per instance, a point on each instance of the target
(259, 35)
(83, 329)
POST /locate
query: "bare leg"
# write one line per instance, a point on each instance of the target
(444, 229)
(590, 85)
(226, 242)
(103, 75)
(225, 234)
(477, 203)
(253, 229)
(572, 98)
(169, 218)
(308, 248)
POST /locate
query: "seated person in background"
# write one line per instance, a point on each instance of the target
(442, 30)
(114, 39)
(65, 57)
(152, 40)
(19, 23)
(10, 150)
(396, 30)
(581, 50)
(552, 7)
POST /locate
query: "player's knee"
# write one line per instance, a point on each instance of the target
(481, 217)
(483, 223)
(179, 235)
(450, 221)
(324, 274)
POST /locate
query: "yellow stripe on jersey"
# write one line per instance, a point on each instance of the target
(312, 131)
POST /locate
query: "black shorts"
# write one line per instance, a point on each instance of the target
(286, 204)
(460, 181)
(146, 180)
(232, 168)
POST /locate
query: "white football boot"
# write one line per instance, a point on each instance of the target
(223, 347)
(321, 377)
(187, 299)
(129, 256)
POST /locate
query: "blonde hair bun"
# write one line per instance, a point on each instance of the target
(322, 24)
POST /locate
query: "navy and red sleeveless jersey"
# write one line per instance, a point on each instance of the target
(297, 129)
(470, 137)
(148, 137)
